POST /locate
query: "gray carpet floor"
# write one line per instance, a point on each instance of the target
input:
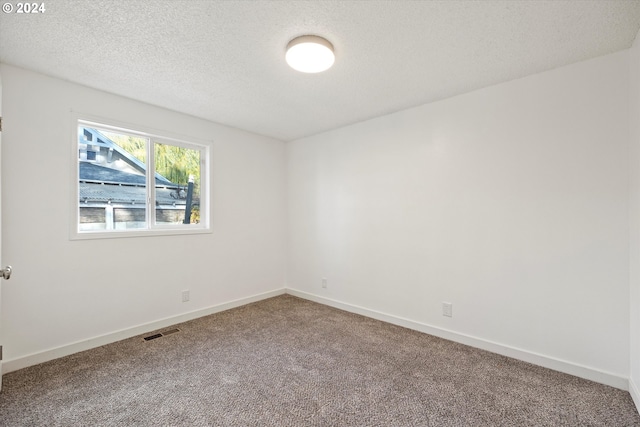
(291, 362)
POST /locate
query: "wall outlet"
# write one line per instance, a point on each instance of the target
(185, 295)
(324, 282)
(447, 309)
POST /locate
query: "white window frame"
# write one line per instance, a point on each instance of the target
(154, 136)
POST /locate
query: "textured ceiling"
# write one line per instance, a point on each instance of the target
(224, 60)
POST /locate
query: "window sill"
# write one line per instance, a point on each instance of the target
(117, 234)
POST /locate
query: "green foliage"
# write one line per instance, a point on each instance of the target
(177, 163)
(135, 145)
(173, 162)
(195, 214)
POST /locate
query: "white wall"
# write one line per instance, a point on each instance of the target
(634, 217)
(66, 291)
(510, 202)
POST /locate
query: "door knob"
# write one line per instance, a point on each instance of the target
(5, 273)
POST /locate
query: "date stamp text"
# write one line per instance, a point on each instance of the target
(18, 8)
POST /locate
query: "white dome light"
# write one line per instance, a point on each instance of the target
(310, 54)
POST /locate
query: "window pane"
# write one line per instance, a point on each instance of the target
(112, 181)
(129, 217)
(136, 146)
(177, 184)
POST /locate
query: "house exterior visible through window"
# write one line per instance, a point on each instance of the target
(135, 183)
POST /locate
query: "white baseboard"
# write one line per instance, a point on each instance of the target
(577, 370)
(635, 393)
(505, 350)
(65, 350)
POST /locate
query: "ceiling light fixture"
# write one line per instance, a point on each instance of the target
(310, 54)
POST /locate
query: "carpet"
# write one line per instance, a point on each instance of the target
(286, 361)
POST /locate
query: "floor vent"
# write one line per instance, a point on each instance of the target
(152, 337)
(162, 334)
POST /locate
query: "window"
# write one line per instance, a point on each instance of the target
(135, 183)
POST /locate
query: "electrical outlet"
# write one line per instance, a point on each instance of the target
(185, 295)
(324, 282)
(447, 309)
